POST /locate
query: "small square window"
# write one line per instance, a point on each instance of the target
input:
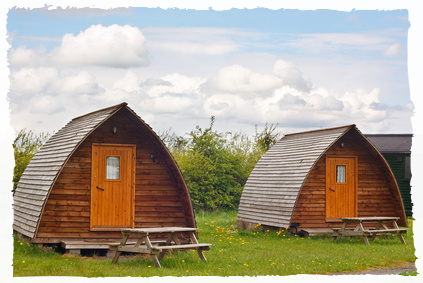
(112, 167)
(341, 173)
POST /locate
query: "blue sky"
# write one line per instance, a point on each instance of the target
(299, 64)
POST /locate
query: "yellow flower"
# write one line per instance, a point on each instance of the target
(183, 260)
(149, 266)
(23, 261)
(21, 243)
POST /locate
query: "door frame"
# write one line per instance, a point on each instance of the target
(355, 157)
(132, 180)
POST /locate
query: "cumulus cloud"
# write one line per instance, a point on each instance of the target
(66, 7)
(237, 79)
(23, 57)
(113, 46)
(128, 83)
(32, 81)
(284, 96)
(290, 101)
(173, 93)
(291, 76)
(46, 105)
(76, 83)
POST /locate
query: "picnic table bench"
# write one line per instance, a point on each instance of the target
(373, 231)
(157, 249)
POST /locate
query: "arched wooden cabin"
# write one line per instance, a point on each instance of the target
(314, 178)
(101, 172)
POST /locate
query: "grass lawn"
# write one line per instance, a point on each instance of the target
(234, 253)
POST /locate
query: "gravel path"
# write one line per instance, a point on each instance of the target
(368, 276)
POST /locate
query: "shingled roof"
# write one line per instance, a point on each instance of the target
(41, 173)
(391, 143)
(271, 191)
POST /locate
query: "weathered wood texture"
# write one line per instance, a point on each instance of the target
(296, 164)
(271, 191)
(40, 174)
(161, 195)
(378, 194)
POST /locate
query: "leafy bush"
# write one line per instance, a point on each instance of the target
(216, 165)
(15, 154)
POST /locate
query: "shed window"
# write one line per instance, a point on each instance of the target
(341, 173)
(410, 167)
(112, 167)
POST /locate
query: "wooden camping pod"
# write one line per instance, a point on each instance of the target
(101, 172)
(314, 178)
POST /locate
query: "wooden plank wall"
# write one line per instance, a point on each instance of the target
(158, 200)
(397, 164)
(375, 197)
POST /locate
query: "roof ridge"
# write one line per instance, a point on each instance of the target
(120, 105)
(388, 135)
(321, 130)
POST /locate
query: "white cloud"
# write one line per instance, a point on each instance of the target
(128, 83)
(113, 46)
(32, 81)
(173, 93)
(291, 76)
(46, 105)
(174, 83)
(75, 84)
(6, 38)
(392, 50)
(67, 7)
(23, 57)
(237, 79)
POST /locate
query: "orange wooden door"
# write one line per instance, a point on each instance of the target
(341, 187)
(112, 186)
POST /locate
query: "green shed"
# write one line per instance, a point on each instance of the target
(396, 148)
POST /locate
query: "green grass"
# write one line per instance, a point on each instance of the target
(234, 253)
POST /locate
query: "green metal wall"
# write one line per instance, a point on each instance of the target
(411, 190)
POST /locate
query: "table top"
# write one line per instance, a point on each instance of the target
(368, 219)
(158, 230)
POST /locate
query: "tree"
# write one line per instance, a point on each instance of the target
(15, 154)
(216, 165)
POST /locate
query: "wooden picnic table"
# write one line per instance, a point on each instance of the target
(378, 227)
(157, 249)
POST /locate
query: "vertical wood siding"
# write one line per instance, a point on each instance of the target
(397, 164)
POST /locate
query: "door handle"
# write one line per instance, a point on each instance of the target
(99, 188)
(331, 189)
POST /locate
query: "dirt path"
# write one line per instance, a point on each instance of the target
(368, 276)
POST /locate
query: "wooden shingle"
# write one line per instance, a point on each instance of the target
(289, 182)
(39, 176)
